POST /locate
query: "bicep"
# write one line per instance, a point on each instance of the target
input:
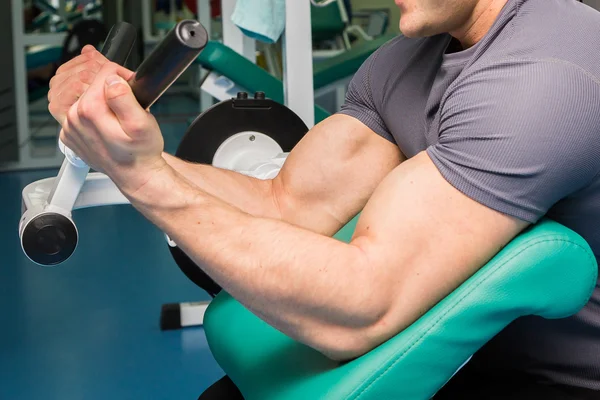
(423, 238)
(329, 176)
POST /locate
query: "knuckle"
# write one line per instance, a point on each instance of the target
(136, 127)
(61, 69)
(75, 89)
(72, 115)
(86, 76)
(99, 57)
(85, 110)
(109, 66)
(52, 109)
(92, 65)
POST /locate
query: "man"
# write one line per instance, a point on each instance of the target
(478, 121)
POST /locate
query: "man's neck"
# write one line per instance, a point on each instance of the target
(478, 25)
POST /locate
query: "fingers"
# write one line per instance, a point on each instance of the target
(134, 120)
(72, 90)
(90, 54)
(69, 136)
(74, 78)
(90, 66)
(87, 48)
(65, 82)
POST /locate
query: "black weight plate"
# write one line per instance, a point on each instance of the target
(84, 32)
(216, 125)
(225, 119)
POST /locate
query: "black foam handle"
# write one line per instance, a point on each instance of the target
(168, 61)
(119, 42)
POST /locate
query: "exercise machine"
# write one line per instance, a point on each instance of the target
(249, 135)
(547, 271)
(48, 234)
(231, 73)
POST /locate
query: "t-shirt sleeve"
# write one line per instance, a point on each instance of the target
(519, 136)
(359, 102)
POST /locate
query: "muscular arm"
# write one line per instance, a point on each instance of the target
(417, 239)
(325, 181)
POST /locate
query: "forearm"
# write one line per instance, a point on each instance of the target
(250, 195)
(261, 198)
(300, 282)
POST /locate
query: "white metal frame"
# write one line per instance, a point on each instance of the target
(298, 64)
(97, 190)
(233, 37)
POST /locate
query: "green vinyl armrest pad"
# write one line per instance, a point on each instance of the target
(547, 271)
(347, 63)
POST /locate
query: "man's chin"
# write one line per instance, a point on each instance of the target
(410, 30)
(414, 31)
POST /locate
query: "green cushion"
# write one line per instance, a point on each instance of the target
(547, 271)
(326, 22)
(347, 63)
(41, 56)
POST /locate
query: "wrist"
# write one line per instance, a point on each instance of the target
(158, 186)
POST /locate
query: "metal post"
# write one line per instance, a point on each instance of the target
(233, 36)
(204, 17)
(20, 87)
(298, 68)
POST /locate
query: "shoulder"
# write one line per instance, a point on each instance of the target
(528, 82)
(534, 108)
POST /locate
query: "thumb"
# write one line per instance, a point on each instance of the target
(123, 103)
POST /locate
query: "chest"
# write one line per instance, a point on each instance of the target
(411, 104)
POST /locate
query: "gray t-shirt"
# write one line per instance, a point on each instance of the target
(514, 123)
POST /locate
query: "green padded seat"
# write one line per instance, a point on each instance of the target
(547, 271)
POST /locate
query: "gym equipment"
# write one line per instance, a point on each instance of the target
(548, 271)
(232, 73)
(84, 32)
(73, 13)
(48, 234)
(249, 135)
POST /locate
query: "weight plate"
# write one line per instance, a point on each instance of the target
(212, 128)
(84, 32)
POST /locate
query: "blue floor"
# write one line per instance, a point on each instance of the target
(89, 328)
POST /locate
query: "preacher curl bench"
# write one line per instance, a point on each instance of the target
(548, 270)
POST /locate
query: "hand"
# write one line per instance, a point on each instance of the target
(112, 133)
(72, 80)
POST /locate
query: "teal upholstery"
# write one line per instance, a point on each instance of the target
(326, 22)
(225, 61)
(42, 56)
(547, 271)
(347, 63)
